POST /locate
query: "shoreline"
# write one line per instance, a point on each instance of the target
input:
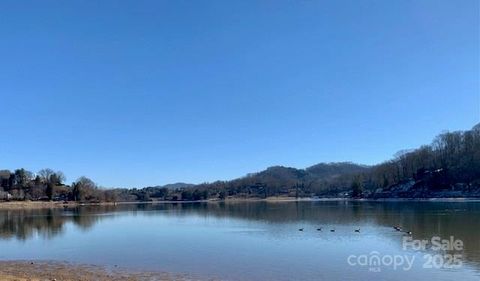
(22, 270)
(19, 205)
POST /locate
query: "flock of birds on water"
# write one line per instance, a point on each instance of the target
(397, 228)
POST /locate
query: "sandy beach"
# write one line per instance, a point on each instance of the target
(19, 205)
(27, 205)
(49, 271)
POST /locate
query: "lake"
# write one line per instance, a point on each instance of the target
(256, 240)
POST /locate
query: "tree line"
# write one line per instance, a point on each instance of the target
(452, 160)
(48, 184)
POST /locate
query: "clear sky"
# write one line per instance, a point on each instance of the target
(136, 93)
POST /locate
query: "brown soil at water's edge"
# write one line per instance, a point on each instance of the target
(17, 205)
(26, 205)
(49, 271)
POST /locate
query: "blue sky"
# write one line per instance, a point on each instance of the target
(136, 93)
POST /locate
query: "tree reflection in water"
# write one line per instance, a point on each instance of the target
(424, 219)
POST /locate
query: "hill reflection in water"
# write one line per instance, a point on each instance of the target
(424, 219)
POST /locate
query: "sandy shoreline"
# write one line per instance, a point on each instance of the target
(62, 271)
(16, 205)
(20, 205)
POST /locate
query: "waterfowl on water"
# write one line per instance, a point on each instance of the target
(319, 229)
(332, 230)
(300, 229)
(397, 228)
(408, 232)
(357, 230)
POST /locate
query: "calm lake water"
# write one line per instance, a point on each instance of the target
(252, 240)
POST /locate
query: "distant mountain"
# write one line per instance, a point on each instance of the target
(177, 185)
(281, 175)
(330, 170)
